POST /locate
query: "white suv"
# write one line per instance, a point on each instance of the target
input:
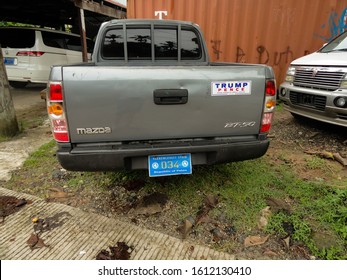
(29, 53)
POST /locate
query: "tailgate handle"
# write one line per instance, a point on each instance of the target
(170, 96)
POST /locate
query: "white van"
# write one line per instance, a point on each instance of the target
(316, 85)
(30, 52)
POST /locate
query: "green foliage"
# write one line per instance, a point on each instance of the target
(6, 23)
(318, 208)
(40, 157)
(315, 162)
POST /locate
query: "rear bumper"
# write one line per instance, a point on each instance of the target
(19, 74)
(93, 157)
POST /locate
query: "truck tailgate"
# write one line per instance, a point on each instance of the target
(148, 103)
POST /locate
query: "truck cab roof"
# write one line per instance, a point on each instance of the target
(150, 42)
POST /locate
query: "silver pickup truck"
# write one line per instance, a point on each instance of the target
(150, 99)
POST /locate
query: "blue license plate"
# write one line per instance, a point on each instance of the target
(167, 165)
(10, 61)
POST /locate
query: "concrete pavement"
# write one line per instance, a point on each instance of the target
(72, 234)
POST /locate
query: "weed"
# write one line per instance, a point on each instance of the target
(40, 156)
(3, 138)
(315, 162)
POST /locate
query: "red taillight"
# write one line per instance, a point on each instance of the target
(56, 92)
(269, 105)
(30, 53)
(270, 89)
(61, 136)
(60, 130)
(55, 109)
(266, 122)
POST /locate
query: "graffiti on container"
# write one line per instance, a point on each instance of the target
(216, 47)
(337, 24)
(240, 55)
(266, 57)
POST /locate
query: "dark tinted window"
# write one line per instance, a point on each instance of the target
(65, 41)
(113, 46)
(54, 40)
(139, 43)
(165, 43)
(73, 43)
(191, 48)
(17, 38)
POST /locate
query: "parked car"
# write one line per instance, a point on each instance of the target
(316, 85)
(29, 53)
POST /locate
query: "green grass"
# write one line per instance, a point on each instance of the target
(4, 138)
(315, 162)
(44, 155)
(242, 188)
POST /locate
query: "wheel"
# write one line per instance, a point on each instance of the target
(15, 84)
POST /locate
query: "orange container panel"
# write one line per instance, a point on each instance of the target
(272, 32)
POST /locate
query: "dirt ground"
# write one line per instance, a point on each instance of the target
(292, 142)
(297, 139)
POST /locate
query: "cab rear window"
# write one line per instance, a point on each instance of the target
(139, 44)
(17, 38)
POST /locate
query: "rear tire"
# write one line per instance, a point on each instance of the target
(15, 84)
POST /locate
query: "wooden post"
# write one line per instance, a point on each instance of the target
(83, 35)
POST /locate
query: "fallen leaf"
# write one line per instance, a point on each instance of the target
(327, 155)
(287, 242)
(149, 210)
(152, 204)
(262, 223)
(119, 252)
(255, 240)
(340, 159)
(264, 216)
(270, 253)
(186, 226)
(211, 201)
(278, 204)
(35, 242)
(58, 194)
(218, 235)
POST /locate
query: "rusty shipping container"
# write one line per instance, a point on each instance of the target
(272, 32)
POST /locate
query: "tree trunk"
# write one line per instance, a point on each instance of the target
(8, 120)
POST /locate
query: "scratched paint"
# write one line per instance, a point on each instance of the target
(272, 32)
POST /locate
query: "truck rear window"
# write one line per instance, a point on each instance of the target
(139, 44)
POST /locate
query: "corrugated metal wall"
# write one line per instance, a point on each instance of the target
(272, 32)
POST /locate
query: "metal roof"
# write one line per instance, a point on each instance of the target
(57, 13)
